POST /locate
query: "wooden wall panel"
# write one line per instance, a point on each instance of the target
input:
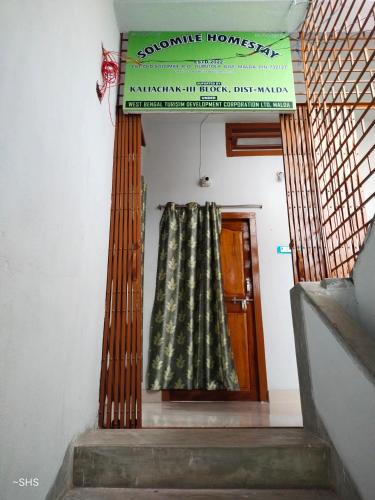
(307, 241)
(121, 368)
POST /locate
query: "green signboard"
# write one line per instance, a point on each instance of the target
(208, 71)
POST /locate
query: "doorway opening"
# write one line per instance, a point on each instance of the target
(178, 151)
(256, 278)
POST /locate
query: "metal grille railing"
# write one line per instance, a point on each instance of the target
(338, 48)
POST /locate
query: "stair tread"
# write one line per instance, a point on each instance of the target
(201, 458)
(160, 494)
(198, 438)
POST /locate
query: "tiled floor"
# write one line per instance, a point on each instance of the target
(284, 410)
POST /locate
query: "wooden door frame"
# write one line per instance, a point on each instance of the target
(172, 394)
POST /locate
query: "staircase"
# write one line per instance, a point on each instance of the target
(198, 464)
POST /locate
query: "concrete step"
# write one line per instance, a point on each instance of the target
(150, 494)
(201, 458)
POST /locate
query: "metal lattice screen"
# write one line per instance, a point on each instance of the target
(338, 47)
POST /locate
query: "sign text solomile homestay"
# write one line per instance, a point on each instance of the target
(173, 71)
(210, 38)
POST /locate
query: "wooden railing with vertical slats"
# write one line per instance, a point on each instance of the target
(307, 244)
(121, 369)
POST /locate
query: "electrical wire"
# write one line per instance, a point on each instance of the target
(200, 145)
(110, 71)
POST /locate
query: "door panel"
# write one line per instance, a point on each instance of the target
(240, 272)
(237, 324)
(232, 261)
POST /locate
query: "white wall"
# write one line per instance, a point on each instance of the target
(170, 166)
(56, 146)
(345, 399)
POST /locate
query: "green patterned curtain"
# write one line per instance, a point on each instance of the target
(189, 342)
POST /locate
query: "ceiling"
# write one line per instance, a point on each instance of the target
(207, 15)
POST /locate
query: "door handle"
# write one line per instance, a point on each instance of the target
(243, 302)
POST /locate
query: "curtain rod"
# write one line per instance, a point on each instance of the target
(218, 206)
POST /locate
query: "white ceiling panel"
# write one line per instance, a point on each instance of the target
(208, 15)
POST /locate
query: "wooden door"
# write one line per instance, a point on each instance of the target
(240, 271)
